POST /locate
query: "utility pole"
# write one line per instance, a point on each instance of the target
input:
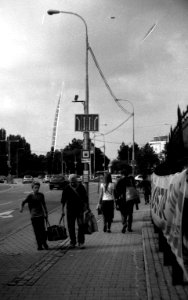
(86, 102)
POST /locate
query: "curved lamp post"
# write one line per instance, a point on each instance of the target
(133, 152)
(86, 102)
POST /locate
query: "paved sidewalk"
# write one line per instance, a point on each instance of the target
(112, 266)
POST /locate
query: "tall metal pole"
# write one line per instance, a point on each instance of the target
(133, 150)
(86, 102)
(94, 156)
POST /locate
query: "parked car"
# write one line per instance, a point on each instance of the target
(27, 179)
(58, 182)
(46, 179)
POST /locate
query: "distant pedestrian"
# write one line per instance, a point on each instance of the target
(106, 201)
(38, 212)
(146, 186)
(75, 198)
(125, 204)
(136, 199)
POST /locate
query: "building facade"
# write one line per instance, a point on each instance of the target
(158, 144)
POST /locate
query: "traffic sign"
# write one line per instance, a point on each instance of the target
(86, 122)
(86, 160)
(85, 154)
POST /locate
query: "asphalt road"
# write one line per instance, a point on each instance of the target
(11, 197)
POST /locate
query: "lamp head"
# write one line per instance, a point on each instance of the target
(53, 12)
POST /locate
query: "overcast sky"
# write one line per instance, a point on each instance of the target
(39, 53)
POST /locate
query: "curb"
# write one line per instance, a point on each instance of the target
(148, 284)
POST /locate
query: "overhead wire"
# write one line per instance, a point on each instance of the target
(106, 83)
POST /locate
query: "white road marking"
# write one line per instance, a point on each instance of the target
(6, 214)
(6, 203)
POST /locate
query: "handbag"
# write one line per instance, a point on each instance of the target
(90, 223)
(56, 232)
(99, 210)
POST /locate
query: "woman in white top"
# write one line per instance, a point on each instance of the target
(106, 202)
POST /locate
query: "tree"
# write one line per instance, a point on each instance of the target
(118, 165)
(176, 157)
(124, 152)
(146, 159)
(72, 155)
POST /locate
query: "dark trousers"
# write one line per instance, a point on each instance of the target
(39, 230)
(126, 211)
(72, 217)
(146, 197)
(108, 212)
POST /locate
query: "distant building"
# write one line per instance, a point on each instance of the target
(158, 144)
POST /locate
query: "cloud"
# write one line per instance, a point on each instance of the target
(177, 47)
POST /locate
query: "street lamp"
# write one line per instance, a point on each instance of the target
(133, 151)
(86, 102)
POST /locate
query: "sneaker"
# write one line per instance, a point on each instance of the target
(39, 248)
(108, 230)
(104, 229)
(130, 230)
(81, 246)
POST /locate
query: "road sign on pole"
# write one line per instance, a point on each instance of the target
(86, 122)
(85, 154)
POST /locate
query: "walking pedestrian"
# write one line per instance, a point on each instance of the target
(38, 211)
(106, 201)
(146, 186)
(75, 198)
(124, 200)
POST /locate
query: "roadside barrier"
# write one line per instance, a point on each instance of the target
(169, 212)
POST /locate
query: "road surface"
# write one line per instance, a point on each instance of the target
(11, 197)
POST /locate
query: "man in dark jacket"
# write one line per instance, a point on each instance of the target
(146, 186)
(125, 207)
(74, 196)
